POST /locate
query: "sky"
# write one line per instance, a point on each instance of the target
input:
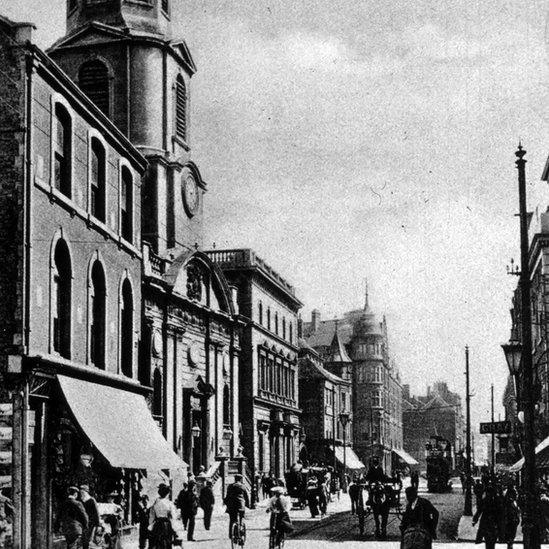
(345, 140)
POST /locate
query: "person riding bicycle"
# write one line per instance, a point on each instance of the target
(279, 507)
(236, 500)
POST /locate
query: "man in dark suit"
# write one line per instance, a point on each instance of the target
(90, 506)
(73, 519)
(187, 501)
(236, 501)
(376, 473)
(419, 513)
(207, 502)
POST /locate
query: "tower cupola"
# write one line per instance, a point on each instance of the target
(142, 16)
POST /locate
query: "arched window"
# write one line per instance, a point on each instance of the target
(97, 182)
(98, 299)
(284, 327)
(62, 150)
(126, 205)
(291, 332)
(276, 323)
(268, 319)
(180, 108)
(157, 394)
(144, 358)
(226, 406)
(260, 312)
(61, 300)
(126, 330)
(93, 79)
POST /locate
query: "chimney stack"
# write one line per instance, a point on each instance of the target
(315, 318)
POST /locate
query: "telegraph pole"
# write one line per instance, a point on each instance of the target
(530, 524)
(468, 507)
(493, 449)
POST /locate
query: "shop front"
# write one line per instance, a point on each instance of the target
(87, 433)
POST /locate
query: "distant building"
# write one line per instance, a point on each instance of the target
(268, 382)
(323, 397)
(438, 413)
(377, 390)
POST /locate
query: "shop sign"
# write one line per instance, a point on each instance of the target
(495, 427)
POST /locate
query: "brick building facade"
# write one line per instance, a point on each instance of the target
(190, 350)
(114, 321)
(438, 413)
(71, 289)
(323, 397)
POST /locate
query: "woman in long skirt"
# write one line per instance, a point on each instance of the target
(160, 520)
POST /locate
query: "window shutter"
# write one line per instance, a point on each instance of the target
(181, 108)
(94, 82)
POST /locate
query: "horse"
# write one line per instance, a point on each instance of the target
(380, 502)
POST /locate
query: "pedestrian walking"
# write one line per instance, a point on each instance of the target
(419, 522)
(487, 516)
(511, 514)
(114, 519)
(207, 502)
(142, 515)
(354, 493)
(312, 497)
(414, 480)
(478, 490)
(322, 498)
(90, 506)
(73, 519)
(187, 502)
(161, 515)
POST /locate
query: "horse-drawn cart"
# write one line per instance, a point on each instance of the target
(382, 502)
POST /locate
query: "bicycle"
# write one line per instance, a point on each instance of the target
(238, 532)
(276, 536)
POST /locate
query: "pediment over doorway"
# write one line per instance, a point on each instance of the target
(194, 276)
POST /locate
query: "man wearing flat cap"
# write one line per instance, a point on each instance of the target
(90, 505)
(73, 519)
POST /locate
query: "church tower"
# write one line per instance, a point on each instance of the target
(122, 56)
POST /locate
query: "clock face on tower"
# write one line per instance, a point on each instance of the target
(191, 197)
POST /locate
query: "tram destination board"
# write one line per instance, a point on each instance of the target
(495, 427)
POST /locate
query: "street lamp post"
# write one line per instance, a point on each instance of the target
(530, 526)
(468, 507)
(195, 434)
(344, 418)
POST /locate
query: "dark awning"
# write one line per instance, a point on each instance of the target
(405, 456)
(120, 425)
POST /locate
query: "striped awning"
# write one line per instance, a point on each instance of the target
(347, 457)
(405, 456)
(120, 426)
(542, 457)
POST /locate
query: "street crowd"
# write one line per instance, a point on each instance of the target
(497, 513)
(499, 504)
(83, 523)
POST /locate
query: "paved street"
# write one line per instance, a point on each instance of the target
(339, 526)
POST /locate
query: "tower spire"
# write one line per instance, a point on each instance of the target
(366, 299)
